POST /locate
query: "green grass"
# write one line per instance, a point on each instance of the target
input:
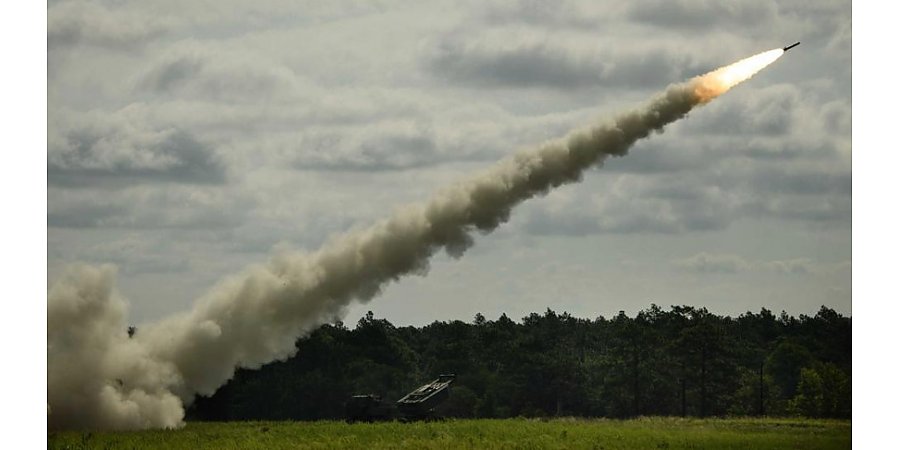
(643, 433)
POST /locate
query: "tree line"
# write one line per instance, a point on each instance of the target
(684, 361)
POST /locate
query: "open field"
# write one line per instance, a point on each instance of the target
(642, 433)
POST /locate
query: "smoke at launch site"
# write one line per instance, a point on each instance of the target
(100, 378)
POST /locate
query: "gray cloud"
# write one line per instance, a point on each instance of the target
(797, 150)
(74, 22)
(821, 211)
(674, 198)
(710, 263)
(665, 156)
(779, 181)
(135, 254)
(531, 65)
(117, 150)
(732, 264)
(147, 207)
(515, 58)
(166, 75)
(83, 216)
(769, 111)
(559, 14)
(197, 71)
(835, 116)
(392, 145)
(368, 151)
(798, 266)
(633, 205)
(702, 14)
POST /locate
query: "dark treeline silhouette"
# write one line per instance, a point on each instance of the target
(684, 361)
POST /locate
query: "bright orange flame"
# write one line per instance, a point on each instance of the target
(715, 83)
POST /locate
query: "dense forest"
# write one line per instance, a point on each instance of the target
(685, 361)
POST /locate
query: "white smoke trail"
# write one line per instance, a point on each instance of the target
(100, 378)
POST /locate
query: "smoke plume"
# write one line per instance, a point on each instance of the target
(99, 377)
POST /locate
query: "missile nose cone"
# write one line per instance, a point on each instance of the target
(791, 46)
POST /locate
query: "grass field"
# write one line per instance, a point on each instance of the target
(643, 433)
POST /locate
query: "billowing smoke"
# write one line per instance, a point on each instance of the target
(99, 377)
(90, 360)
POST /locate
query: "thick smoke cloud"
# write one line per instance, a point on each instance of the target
(96, 375)
(101, 378)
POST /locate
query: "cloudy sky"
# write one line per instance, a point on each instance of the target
(190, 139)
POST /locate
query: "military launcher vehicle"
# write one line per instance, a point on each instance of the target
(419, 404)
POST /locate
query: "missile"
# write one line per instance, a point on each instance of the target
(791, 46)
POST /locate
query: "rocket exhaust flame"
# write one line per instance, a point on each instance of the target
(719, 81)
(98, 377)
